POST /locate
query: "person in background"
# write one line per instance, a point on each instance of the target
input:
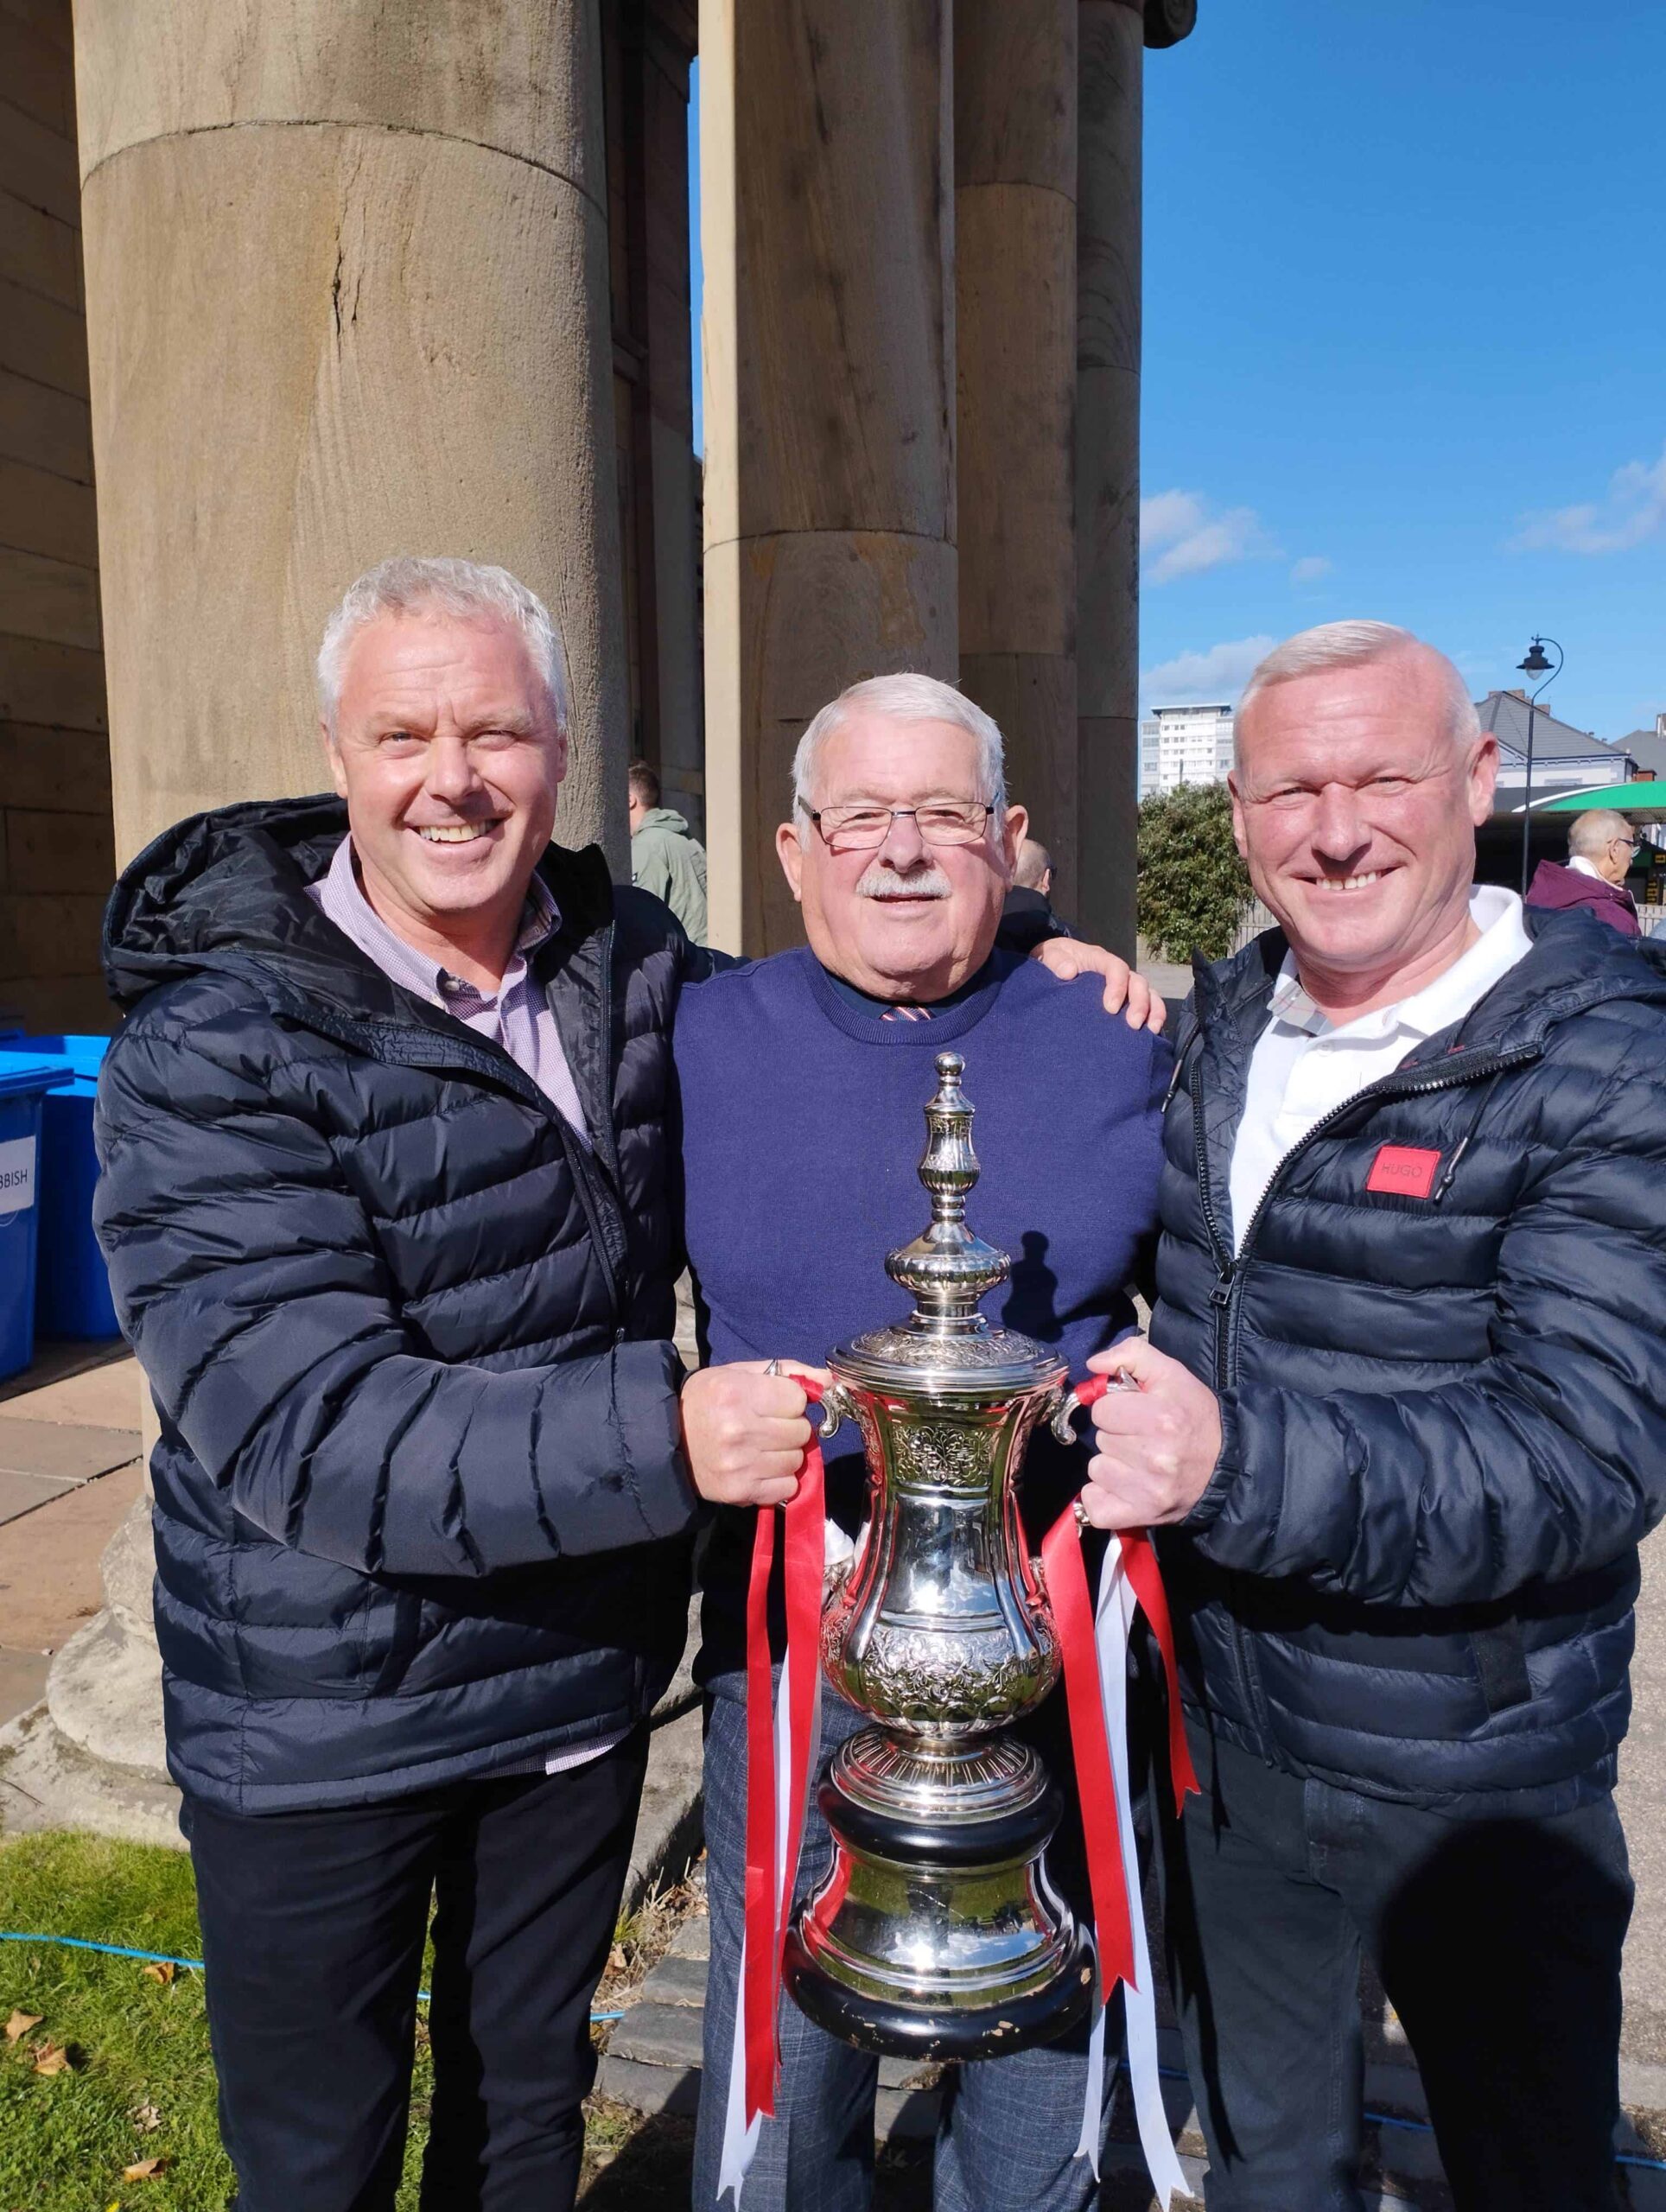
(1404, 1408)
(1026, 915)
(802, 1079)
(1600, 847)
(666, 858)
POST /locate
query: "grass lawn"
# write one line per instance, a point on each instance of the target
(136, 2081)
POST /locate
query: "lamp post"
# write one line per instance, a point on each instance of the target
(1536, 663)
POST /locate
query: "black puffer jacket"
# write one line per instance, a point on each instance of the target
(420, 1501)
(1445, 1417)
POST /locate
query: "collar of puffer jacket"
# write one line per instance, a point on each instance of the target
(227, 890)
(1576, 962)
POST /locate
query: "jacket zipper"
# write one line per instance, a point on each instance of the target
(1223, 1297)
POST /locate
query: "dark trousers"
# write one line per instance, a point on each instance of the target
(1497, 1940)
(312, 1926)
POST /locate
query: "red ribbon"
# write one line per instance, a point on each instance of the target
(1113, 1889)
(768, 1911)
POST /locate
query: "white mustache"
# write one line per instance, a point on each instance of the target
(925, 882)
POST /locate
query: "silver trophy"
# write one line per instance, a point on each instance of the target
(938, 1934)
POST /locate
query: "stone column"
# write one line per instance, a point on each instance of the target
(827, 228)
(347, 296)
(1015, 300)
(1108, 464)
(1108, 238)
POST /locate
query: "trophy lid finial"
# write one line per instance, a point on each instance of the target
(947, 1270)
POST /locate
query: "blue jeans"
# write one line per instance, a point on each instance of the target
(1010, 2125)
(1497, 1939)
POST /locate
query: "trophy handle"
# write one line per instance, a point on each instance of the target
(836, 1411)
(1060, 1413)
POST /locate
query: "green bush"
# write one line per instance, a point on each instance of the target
(1193, 890)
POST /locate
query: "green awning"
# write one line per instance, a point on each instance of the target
(1643, 802)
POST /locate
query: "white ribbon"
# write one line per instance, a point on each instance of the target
(740, 2141)
(1113, 1623)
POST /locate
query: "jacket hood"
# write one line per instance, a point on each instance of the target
(1558, 888)
(663, 818)
(1576, 962)
(227, 890)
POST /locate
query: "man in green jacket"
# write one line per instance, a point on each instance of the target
(665, 858)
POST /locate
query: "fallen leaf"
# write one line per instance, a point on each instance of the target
(161, 1970)
(20, 2023)
(51, 2058)
(146, 2168)
(146, 2119)
(616, 1959)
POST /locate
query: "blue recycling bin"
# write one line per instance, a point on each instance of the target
(26, 1080)
(72, 1288)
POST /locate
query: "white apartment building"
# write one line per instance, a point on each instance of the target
(1184, 744)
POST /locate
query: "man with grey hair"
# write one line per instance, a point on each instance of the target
(1601, 845)
(803, 1078)
(1402, 1419)
(388, 1201)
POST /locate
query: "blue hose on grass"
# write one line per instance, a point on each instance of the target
(1169, 2073)
(164, 1958)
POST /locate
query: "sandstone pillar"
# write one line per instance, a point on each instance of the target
(1108, 464)
(1015, 107)
(827, 228)
(347, 288)
(347, 296)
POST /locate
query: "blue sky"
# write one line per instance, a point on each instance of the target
(1405, 340)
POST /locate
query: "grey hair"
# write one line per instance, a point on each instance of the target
(1593, 832)
(906, 697)
(1345, 644)
(411, 584)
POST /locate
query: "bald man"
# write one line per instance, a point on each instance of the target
(1601, 845)
(1402, 1420)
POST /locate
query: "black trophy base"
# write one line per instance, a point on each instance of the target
(940, 1939)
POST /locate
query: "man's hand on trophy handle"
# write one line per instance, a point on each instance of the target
(1067, 957)
(745, 1431)
(1156, 1444)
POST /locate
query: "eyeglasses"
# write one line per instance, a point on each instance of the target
(862, 828)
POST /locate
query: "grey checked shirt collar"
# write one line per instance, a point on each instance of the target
(516, 1016)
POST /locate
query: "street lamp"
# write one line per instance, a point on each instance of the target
(1536, 663)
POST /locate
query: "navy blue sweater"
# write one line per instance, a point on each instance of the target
(803, 1128)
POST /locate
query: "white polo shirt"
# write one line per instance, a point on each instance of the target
(1304, 1066)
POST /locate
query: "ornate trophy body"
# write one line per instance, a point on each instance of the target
(938, 1934)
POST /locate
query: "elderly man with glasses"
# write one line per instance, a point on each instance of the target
(1601, 845)
(802, 1079)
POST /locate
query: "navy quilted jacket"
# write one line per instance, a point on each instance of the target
(420, 1501)
(1414, 1569)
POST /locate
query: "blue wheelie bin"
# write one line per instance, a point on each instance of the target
(72, 1288)
(26, 1079)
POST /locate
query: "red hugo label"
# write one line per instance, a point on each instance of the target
(1405, 1169)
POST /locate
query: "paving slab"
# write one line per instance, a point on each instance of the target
(50, 1584)
(21, 1493)
(23, 1681)
(67, 1450)
(78, 1381)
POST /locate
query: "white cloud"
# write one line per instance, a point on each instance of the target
(1633, 508)
(1309, 569)
(1181, 536)
(1219, 673)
